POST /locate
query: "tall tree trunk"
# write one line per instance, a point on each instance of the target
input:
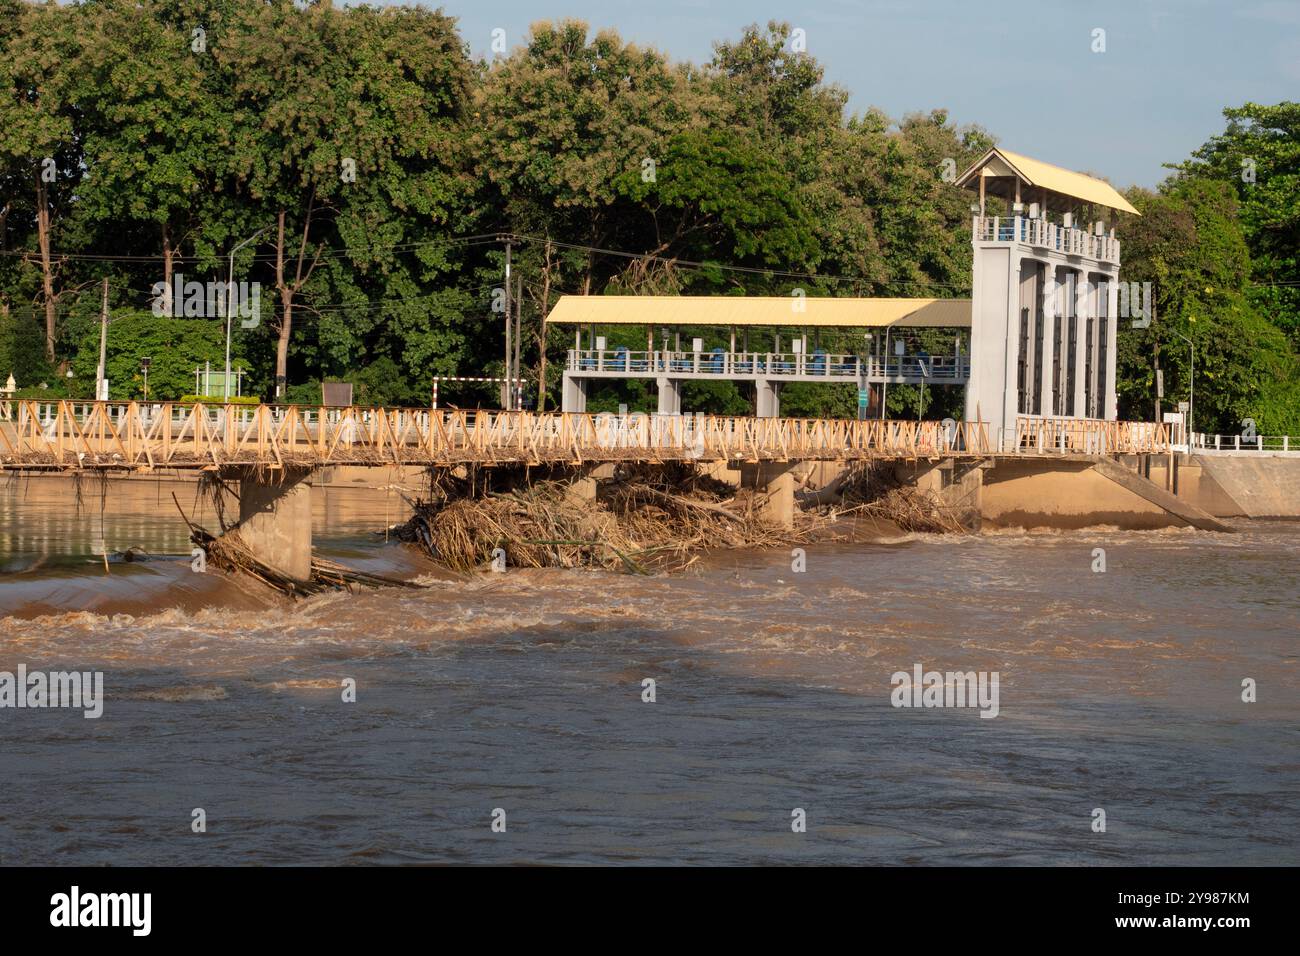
(47, 267)
(168, 255)
(282, 346)
(286, 309)
(288, 290)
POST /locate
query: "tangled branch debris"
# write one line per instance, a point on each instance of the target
(642, 519)
(227, 552)
(872, 489)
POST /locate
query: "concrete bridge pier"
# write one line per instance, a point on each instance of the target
(775, 479)
(583, 488)
(275, 518)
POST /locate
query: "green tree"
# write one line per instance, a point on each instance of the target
(1258, 157)
(1191, 246)
(176, 347)
(40, 154)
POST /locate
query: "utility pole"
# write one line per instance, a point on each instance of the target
(101, 386)
(227, 302)
(541, 331)
(1191, 391)
(1157, 354)
(515, 384)
(509, 377)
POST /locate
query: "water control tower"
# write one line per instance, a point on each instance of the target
(1044, 293)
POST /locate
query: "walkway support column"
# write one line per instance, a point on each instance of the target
(573, 394)
(275, 518)
(768, 404)
(670, 396)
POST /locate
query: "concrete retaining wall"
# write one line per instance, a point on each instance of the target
(1258, 485)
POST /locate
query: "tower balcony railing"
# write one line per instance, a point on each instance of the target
(1041, 234)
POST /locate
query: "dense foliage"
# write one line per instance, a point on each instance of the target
(379, 166)
(1219, 242)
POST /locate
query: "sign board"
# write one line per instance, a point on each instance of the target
(1160, 383)
(336, 393)
(211, 383)
(1184, 406)
(864, 397)
(1173, 418)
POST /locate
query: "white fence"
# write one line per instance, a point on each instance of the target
(1239, 444)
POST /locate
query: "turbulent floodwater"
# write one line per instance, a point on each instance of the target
(523, 691)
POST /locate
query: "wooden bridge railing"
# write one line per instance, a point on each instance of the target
(1089, 436)
(69, 434)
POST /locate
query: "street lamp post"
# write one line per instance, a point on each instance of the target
(230, 287)
(1191, 392)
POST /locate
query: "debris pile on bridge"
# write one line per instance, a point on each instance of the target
(642, 520)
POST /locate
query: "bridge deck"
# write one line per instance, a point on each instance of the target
(133, 435)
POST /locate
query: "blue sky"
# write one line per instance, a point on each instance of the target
(1025, 70)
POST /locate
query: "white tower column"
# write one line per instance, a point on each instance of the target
(1112, 329)
(1082, 309)
(1011, 356)
(1051, 308)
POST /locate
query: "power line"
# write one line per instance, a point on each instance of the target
(490, 238)
(752, 270)
(334, 252)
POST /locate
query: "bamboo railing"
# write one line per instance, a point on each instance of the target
(71, 434)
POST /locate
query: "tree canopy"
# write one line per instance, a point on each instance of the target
(371, 168)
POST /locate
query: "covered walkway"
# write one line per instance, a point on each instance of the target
(769, 341)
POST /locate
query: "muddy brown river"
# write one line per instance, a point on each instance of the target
(521, 696)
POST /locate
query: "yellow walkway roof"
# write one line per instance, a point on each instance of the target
(999, 163)
(727, 310)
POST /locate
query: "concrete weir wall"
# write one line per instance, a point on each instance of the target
(1077, 493)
